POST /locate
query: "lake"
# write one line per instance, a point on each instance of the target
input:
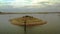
(52, 26)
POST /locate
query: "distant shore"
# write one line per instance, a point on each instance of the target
(27, 12)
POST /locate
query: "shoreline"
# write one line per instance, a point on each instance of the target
(28, 12)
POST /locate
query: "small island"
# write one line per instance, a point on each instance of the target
(28, 20)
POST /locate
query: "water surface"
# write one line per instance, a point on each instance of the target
(52, 27)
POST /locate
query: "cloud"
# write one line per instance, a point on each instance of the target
(5, 2)
(28, 3)
(42, 4)
(20, 3)
(33, 3)
(50, 8)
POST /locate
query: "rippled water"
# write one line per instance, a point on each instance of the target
(52, 27)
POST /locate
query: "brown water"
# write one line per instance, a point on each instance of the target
(52, 27)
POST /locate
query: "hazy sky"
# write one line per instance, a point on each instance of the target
(37, 4)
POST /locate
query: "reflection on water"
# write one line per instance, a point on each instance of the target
(52, 27)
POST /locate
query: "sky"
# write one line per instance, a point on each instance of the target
(29, 5)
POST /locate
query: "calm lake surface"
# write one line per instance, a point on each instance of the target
(52, 27)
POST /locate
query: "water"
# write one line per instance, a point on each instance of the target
(52, 27)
